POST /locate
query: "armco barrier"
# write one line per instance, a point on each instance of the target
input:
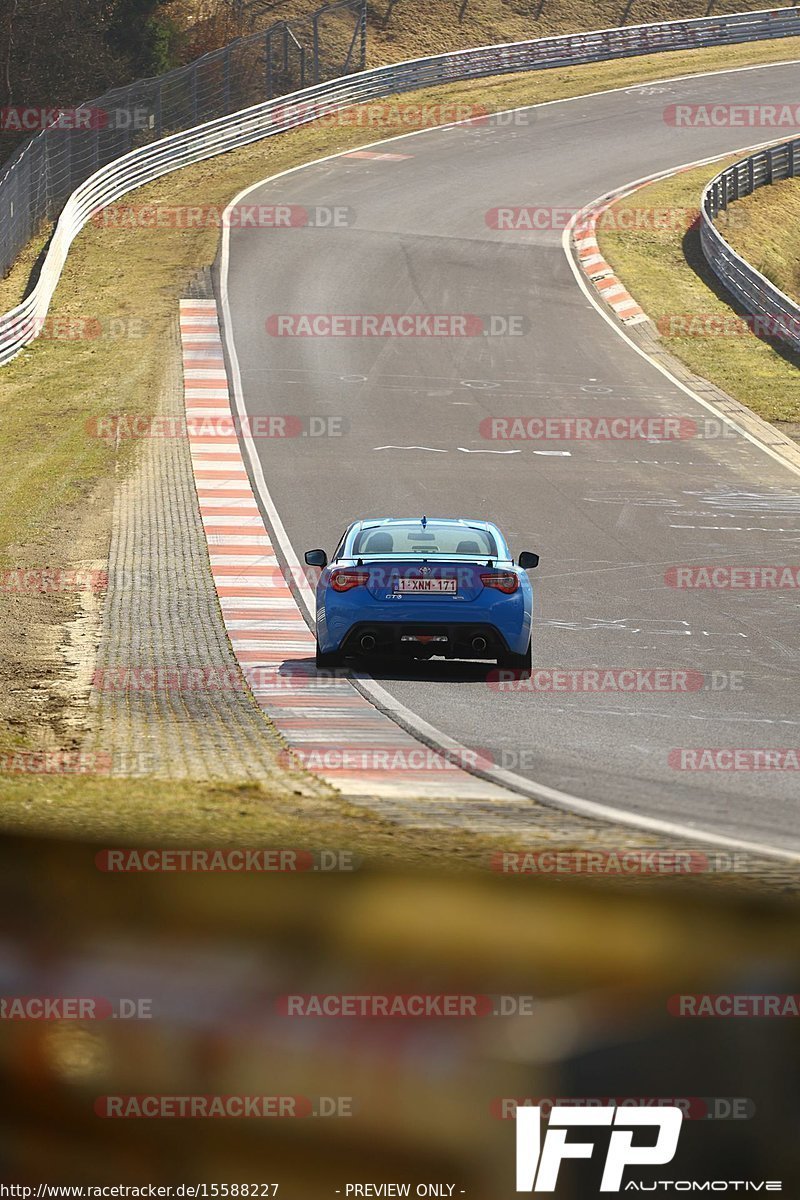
(131, 170)
(778, 315)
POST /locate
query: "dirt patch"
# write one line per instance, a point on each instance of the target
(49, 625)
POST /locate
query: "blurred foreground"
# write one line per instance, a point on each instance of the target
(567, 990)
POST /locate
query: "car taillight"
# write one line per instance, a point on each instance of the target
(344, 580)
(504, 581)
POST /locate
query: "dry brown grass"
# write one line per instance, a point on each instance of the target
(765, 233)
(410, 28)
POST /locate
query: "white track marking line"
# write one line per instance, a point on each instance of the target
(432, 449)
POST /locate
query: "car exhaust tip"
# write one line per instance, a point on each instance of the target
(479, 644)
(367, 642)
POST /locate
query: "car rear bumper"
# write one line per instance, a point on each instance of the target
(504, 620)
(422, 639)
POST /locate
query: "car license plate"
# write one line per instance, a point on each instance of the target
(424, 585)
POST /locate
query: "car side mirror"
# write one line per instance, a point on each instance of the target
(528, 560)
(316, 558)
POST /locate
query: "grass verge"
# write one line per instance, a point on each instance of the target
(664, 270)
(763, 229)
(57, 487)
(114, 811)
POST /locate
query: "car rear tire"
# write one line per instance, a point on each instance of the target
(522, 664)
(328, 661)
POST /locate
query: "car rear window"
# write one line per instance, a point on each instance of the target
(411, 538)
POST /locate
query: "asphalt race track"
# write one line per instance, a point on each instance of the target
(609, 519)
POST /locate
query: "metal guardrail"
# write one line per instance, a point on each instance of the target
(777, 315)
(129, 171)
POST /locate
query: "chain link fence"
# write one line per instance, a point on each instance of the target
(42, 173)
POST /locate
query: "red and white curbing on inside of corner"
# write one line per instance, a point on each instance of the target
(600, 272)
(330, 727)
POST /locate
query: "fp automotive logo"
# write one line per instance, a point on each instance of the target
(538, 1165)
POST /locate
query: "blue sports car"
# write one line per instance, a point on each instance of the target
(420, 587)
